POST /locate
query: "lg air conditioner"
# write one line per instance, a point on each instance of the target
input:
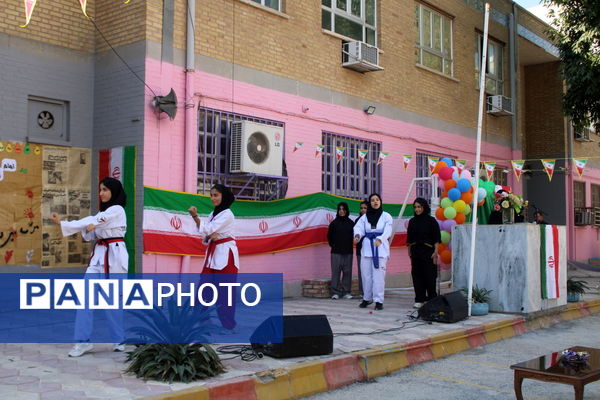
(360, 56)
(499, 105)
(256, 148)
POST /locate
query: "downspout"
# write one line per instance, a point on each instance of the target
(513, 65)
(190, 163)
(571, 248)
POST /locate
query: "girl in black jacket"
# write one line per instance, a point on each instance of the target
(340, 237)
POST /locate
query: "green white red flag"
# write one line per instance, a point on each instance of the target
(580, 165)
(319, 150)
(382, 156)
(297, 146)
(489, 168)
(362, 154)
(29, 6)
(406, 158)
(339, 153)
(549, 167)
(549, 261)
(431, 163)
(517, 166)
(460, 164)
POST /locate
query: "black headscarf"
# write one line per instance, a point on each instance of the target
(343, 205)
(227, 198)
(424, 204)
(117, 194)
(374, 214)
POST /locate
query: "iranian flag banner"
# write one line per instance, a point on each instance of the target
(261, 227)
(119, 163)
(549, 261)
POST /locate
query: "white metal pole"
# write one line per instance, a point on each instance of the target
(482, 101)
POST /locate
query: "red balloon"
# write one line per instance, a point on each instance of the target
(439, 214)
(446, 256)
(446, 173)
(449, 184)
(460, 218)
(441, 247)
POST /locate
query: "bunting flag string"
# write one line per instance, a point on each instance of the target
(339, 153)
(297, 146)
(517, 166)
(319, 150)
(460, 164)
(549, 167)
(489, 168)
(362, 154)
(382, 156)
(29, 6)
(406, 160)
(431, 163)
(580, 165)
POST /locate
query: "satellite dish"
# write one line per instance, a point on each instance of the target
(167, 104)
(258, 147)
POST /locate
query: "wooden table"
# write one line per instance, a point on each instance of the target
(548, 368)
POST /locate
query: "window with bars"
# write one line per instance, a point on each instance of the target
(433, 41)
(494, 81)
(423, 188)
(214, 142)
(578, 194)
(274, 4)
(356, 19)
(499, 176)
(348, 177)
(595, 195)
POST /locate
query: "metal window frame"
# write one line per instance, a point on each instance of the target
(348, 178)
(262, 3)
(421, 48)
(499, 81)
(214, 156)
(578, 194)
(362, 20)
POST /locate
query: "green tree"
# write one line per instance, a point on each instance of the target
(576, 32)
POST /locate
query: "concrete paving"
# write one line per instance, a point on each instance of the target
(45, 372)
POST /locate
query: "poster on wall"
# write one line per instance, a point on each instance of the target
(66, 190)
(20, 195)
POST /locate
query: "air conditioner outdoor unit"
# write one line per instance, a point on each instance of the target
(360, 56)
(584, 217)
(499, 105)
(256, 148)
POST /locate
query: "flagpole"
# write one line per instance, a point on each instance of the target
(482, 101)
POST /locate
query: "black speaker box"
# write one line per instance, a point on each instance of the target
(451, 307)
(303, 335)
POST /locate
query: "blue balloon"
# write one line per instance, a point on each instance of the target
(454, 194)
(463, 185)
(449, 162)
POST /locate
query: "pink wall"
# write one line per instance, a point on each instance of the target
(164, 154)
(587, 238)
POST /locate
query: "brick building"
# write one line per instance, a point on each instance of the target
(279, 62)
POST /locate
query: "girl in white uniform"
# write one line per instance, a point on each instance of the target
(375, 227)
(109, 256)
(222, 252)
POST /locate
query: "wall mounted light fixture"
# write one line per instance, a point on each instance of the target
(369, 110)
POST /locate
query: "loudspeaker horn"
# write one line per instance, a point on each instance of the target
(167, 104)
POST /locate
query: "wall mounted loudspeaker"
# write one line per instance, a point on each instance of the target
(451, 307)
(167, 104)
(303, 335)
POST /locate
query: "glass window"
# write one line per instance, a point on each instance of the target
(348, 177)
(578, 194)
(423, 188)
(595, 195)
(214, 142)
(433, 40)
(274, 4)
(494, 81)
(353, 18)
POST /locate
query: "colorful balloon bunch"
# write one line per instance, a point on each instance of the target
(455, 204)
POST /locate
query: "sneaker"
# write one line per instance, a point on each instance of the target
(365, 303)
(417, 305)
(347, 296)
(80, 349)
(335, 297)
(118, 347)
(378, 306)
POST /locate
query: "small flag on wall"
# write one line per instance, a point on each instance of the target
(339, 153)
(29, 6)
(381, 157)
(362, 154)
(580, 165)
(489, 168)
(549, 167)
(297, 146)
(518, 168)
(432, 162)
(83, 6)
(406, 158)
(460, 164)
(319, 150)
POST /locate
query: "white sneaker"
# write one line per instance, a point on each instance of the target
(347, 296)
(80, 349)
(118, 347)
(417, 305)
(335, 297)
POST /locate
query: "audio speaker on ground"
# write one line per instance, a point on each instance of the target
(451, 307)
(303, 335)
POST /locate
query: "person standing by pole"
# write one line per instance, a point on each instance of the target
(376, 227)
(423, 237)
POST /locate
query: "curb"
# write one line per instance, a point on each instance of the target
(311, 377)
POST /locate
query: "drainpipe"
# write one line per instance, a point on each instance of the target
(514, 70)
(572, 243)
(190, 163)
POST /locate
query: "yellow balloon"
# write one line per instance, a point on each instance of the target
(459, 205)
